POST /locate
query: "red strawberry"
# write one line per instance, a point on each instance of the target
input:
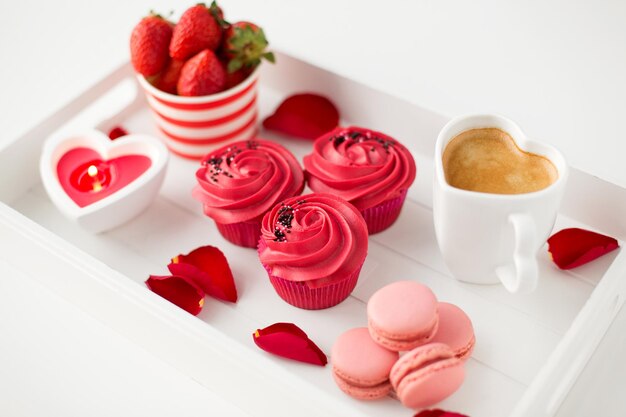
(244, 45)
(149, 44)
(202, 75)
(168, 79)
(196, 30)
(234, 78)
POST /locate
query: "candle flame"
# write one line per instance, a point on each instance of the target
(92, 171)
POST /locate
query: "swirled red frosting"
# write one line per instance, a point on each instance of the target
(315, 238)
(362, 166)
(242, 181)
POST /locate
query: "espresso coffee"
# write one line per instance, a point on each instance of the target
(488, 160)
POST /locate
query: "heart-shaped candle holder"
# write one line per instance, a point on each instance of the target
(102, 183)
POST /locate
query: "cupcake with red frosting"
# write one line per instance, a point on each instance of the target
(313, 248)
(240, 182)
(369, 169)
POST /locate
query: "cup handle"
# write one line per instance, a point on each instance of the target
(521, 276)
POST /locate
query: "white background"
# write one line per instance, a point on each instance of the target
(556, 67)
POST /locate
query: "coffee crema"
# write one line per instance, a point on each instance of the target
(488, 160)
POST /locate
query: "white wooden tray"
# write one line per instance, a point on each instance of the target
(530, 348)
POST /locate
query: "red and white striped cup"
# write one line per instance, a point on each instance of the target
(192, 126)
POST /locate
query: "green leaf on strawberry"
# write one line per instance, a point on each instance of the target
(244, 46)
(270, 57)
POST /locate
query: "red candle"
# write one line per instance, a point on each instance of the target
(92, 176)
(87, 178)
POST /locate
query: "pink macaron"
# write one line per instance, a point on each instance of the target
(402, 315)
(360, 366)
(455, 330)
(427, 375)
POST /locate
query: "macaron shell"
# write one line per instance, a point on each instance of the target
(418, 358)
(402, 343)
(426, 375)
(361, 361)
(402, 315)
(432, 384)
(363, 393)
(455, 330)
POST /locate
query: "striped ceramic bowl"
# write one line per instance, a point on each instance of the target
(191, 126)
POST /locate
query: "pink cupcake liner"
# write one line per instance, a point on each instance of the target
(300, 295)
(244, 234)
(380, 217)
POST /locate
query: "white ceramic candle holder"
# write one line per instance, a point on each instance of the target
(124, 203)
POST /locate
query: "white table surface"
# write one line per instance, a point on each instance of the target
(558, 68)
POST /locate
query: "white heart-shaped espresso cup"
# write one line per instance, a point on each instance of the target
(488, 238)
(125, 203)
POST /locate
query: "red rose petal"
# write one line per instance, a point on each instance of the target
(575, 247)
(208, 268)
(117, 132)
(289, 341)
(305, 116)
(438, 413)
(178, 290)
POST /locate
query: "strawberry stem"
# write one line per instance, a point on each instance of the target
(152, 13)
(215, 12)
